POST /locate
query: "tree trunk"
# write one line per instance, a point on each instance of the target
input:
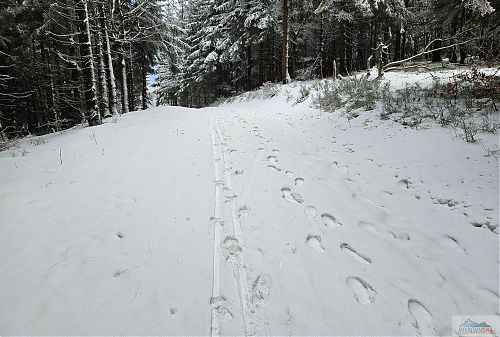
(109, 59)
(92, 114)
(130, 80)
(261, 63)
(436, 55)
(285, 76)
(123, 65)
(386, 37)
(349, 45)
(272, 58)
(292, 55)
(42, 93)
(463, 50)
(403, 45)
(53, 100)
(342, 49)
(144, 78)
(361, 54)
(78, 80)
(102, 78)
(249, 66)
(397, 47)
(322, 46)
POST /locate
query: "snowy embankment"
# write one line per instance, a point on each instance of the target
(260, 217)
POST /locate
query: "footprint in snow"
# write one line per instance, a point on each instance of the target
(401, 236)
(299, 181)
(352, 252)
(229, 196)
(363, 292)
(290, 174)
(293, 249)
(272, 159)
(330, 221)
(243, 212)
(120, 273)
(293, 197)
(220, 306)
(310, 211)
(493, 228)
(272, 167)
(405, 182)
(453, 242)
(315, 242)
(261, 288)
(232, 249)
(422, 318)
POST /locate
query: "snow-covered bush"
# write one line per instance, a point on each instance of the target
(266, 91)
(6, 144)
(36, 140)
(304, 93)
(349, 92)
(492, 152)
(466, 102)
(406, 105)
(469, 128)
(328, 96)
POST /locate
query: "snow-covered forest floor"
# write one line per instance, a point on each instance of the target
(261, 216)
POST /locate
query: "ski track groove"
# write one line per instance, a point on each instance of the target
(215, 323)
(237, 232)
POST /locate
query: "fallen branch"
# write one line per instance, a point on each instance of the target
(418, 66)
(391, 65)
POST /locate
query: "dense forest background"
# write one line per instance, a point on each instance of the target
(64, 62)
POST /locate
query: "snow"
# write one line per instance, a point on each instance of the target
(258, 217)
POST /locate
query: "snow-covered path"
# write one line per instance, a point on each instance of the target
(116, 240)
(368, 223)
(252, 218)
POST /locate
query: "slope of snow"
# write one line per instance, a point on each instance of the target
(256, 217)
(115, 240)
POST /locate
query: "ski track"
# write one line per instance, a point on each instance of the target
(237, 231)
(216, 222)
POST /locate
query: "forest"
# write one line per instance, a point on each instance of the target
(66, 62)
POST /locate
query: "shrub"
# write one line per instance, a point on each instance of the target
(465, 102)
(36, 140)
(328, 97)
(492, 152)
(267, 90)
(352, 93)
(406, 101)
(304, 93)
(469, 128)
(489, 126)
